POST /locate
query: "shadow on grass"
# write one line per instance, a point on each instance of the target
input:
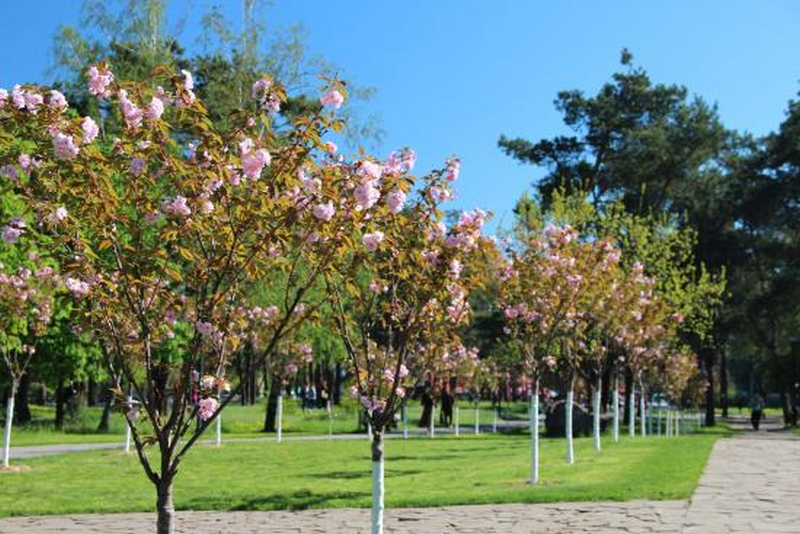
(297, 500)
(353, 475)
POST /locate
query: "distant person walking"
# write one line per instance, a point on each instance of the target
(756, 410)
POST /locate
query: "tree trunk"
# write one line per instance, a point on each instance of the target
(405, 416)
(628, 393)
(105, 418)
(535, 433)
(91, 393)
(642, 411)
(615, 395)
(22, 410)
(723, 382)
(279, 419)
(272, 405)
(568, 425)
(708, 365)
(337, 384)
(165, 507)
(631, 395)
(596, 392)
(9, 420)
(377, 481)
(61, 402)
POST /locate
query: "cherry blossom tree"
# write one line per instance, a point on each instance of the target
(159, 232)
(27, 302)
(401, 292)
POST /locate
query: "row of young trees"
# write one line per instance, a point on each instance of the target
(154, 239)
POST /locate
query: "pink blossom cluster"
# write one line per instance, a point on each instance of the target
(30, 101)
(332, 98)
(13, 230)
(90, 130)
(99, 82)
(372, 240)
(130, 111)
(206, 408)
(266, 101)
(176, 206)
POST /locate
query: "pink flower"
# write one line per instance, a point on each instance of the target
(137, 166)
(396, 199)
(78, 288)
(324, 212)
(207, 207)
(403, 371)
(57, 100)
(99, 80)
(64, 146)
(3, 98)
(455, 268)
(130, 111)
(204, 328)
(367, 194)
(260, 86)
(376, 287)
(188, 85)
(154, 109)
(453, 169)
(331, 148)
(176, 206)
(372, 240)
(254, 162)
(59, 215)
(332, 98)
(370, 170)
(9, 171)
(14, 229)
(33, 101)
(207, 407)
(90, 130)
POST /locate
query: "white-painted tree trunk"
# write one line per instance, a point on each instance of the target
(455, 420)
(632, 414)
(477, 419)
(7, 428)
(596, 414)
(568, 423)
(642, 413)
(432, 423)
(535, 433)
(378, 489)
(668, 429)
(494, 421)
(128, 429)
(677, 423)
(615, 397)
(219, 429)
(369, 431)
(658, 423)
(279, 423)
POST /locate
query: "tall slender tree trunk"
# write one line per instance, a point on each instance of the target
(631, 394)
(61, 401)
(615, 395)
(723, 382)
(642, 411)
(165, 507)
(708, 367)
(568, 425)
(272, 405)
(628, 393)
(22, 409)
(9, 421)
(535, 432)
(597, 388)
(377, 481)
(279, 418)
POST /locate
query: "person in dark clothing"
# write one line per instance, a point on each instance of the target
(756, 410)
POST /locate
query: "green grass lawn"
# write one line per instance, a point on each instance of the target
(420, 472)
(237, 421)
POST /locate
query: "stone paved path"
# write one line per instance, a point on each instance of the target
(750, 486)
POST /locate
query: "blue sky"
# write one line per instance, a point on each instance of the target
(452, 75)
